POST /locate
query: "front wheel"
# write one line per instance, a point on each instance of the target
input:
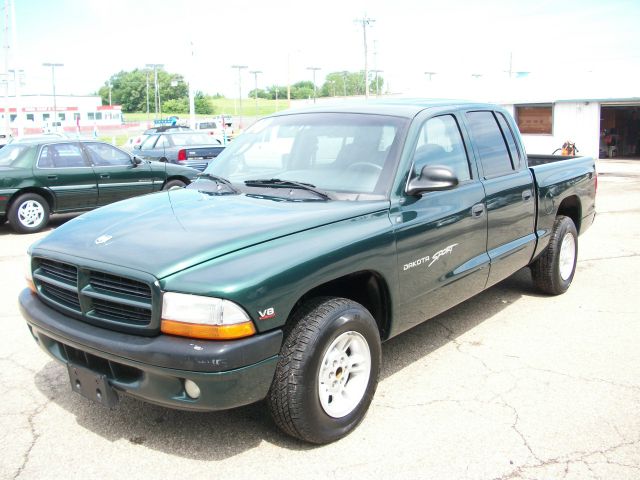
(553, 271)
(29, 213)
(174, 184)
(327, 372)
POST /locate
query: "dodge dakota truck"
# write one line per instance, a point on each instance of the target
(315, 236)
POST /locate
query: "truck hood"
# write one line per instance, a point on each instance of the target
(166, 232)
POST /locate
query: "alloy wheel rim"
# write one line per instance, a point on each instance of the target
(31, 213)
(567, 256)
(344, 374)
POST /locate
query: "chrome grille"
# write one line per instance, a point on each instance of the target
(60, 271)
(66, 297)
(119, 285)
(120, 312)
(102, 298)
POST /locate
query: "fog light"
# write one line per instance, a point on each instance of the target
(192, 389)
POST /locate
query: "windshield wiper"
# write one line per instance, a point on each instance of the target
(218, 180)
(279, 183)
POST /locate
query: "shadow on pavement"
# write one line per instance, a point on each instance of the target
(220, 435)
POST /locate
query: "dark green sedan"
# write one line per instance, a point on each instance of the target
(55, 176)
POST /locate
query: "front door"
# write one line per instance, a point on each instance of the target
(441, 236)
(118, 176)
(65, 170)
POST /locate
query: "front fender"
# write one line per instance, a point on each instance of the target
(277, 273)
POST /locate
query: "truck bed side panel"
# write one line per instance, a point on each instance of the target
(570, 179)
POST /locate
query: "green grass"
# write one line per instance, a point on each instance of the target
(226, 106)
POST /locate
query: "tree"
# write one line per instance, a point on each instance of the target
(338, 84)
(129, 89)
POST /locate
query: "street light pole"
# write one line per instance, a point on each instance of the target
(239, 67)
(156, 86)
(147, 98)
(431, 74)
(314, 70)
(255, 76)
(53, 82)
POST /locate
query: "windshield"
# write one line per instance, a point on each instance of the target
(337, 152)
(182, 139)
(15, 154)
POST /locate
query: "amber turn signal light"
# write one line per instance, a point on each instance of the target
(208, 332)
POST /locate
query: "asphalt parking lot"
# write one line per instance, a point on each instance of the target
(510, 384)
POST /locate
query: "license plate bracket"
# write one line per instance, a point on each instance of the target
(92, 385)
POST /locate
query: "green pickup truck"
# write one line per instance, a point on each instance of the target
(44, 175)
(315, 236)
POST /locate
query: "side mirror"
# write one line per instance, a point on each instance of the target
(137, 146)
(136, 161)
(432, 178)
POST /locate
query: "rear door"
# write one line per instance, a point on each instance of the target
(509, 189)
(66, 171)
(441, 236)
(118, 176)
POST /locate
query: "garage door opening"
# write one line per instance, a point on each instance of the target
(620, 131)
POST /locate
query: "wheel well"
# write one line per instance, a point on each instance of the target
(570, 207)
(177, 177)
(39, 191)
(367, 288)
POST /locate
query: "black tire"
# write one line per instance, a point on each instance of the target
(547, 270)
(294, 397)
(174, 183)
(29, 213)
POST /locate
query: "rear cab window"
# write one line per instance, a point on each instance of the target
(496, 158)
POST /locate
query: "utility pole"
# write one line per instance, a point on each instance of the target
(255, 76)
(239, 67)
(110, 87)
(156, 86)
(18, 72)
(315, 92)
(365, 22)
(7, 114)
(430, 74)
(53, 82)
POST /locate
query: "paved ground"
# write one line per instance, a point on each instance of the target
(510, 384)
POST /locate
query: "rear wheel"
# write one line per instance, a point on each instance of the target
(327, 372)
(553, 271)
(174, 184)
(29, 213)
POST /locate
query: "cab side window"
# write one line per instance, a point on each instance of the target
(61, 155)
(440, 143)
(105, 155)
(488, 137)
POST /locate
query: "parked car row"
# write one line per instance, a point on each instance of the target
(51, 175)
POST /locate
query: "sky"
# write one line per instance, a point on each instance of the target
(455, 38)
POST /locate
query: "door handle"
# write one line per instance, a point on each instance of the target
(52, 177)
(477, 210)
(526, 195)
(105, 175)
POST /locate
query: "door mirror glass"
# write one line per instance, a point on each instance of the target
(432, 178)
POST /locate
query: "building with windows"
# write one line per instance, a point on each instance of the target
(70, 113)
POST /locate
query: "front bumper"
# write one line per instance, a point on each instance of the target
(229, 373)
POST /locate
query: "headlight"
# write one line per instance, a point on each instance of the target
(210, 318)
(28, 274)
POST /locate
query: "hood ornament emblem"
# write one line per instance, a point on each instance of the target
(103, 239)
